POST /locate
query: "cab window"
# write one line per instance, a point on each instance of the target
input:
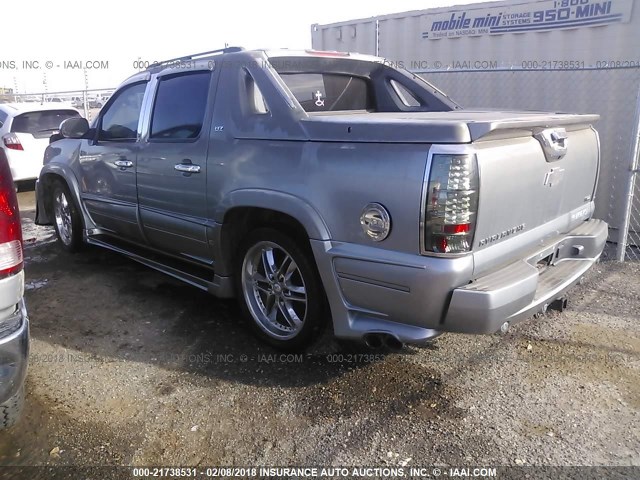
(178, 112)
(120, 120)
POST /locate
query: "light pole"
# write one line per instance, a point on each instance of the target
(44, 82)
(84, 95)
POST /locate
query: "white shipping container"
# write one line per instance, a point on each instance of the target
(585, 31)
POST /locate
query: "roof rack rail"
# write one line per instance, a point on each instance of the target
(196, 55)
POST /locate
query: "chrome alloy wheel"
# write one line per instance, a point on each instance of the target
(62, 214)
(274, 290)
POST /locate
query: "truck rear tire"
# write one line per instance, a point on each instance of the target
(279, 289)
(66, 218)
(11, 410)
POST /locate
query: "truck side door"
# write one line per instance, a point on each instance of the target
(172, 165)
(107, 164)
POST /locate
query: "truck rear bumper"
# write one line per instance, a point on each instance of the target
(414, 298)
(528, 286)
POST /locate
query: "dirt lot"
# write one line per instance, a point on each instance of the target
(129, 367)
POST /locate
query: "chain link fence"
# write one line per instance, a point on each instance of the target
(629, 245)
(87, 102)
(613, 93)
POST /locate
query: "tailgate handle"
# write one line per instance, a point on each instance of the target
(554, 143)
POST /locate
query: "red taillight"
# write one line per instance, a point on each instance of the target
(10, 227)
(12, 142)
(453, 229)
(451, 204)
(441, 244)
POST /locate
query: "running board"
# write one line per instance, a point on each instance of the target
(219, 286)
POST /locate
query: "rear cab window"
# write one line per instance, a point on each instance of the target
(327, 92)
(332, 82)
(42, 123)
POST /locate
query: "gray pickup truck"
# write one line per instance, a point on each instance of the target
(325, 185)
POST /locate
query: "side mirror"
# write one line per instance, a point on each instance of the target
(74, 127)
(55, 137)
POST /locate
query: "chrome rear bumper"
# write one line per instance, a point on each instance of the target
(526, 287)
(414, 298)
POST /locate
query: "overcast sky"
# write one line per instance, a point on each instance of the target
(120, 32)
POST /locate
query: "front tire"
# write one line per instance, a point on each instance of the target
(67, 220)
(279, 289)
(11, 410)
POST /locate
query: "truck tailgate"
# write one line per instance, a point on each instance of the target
(530, 191)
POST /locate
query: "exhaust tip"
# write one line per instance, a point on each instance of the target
(392, 342)
(379, 340)
(559, 304)
(504, 328)
(373, 340)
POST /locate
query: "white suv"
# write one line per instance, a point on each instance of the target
(14, 323)
(25, 129)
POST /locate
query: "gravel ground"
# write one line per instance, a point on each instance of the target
(129, 367)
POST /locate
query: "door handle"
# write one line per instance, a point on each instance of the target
(123, 163)
(187, 168)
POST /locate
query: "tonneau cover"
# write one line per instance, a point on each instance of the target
(460, 126)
